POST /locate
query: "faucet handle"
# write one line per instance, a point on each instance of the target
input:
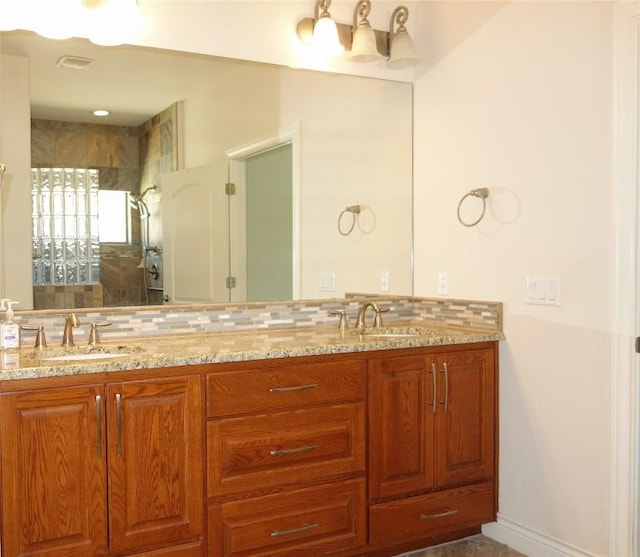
(377, 318)
(41, 339)
(94, 339)
(344, 320)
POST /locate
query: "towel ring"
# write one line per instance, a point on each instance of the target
(482, 193)
(354, 210)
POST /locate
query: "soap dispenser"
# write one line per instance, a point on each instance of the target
(9, 330)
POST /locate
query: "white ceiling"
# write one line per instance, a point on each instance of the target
(134, 83)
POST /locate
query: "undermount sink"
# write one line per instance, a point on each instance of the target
(400, 332)
(82, 353)
(82, 357)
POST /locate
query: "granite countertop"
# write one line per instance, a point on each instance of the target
(180, 350)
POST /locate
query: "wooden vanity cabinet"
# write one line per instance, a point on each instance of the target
(432, 431)
(286, 458)
(104, 469)
(370, 453)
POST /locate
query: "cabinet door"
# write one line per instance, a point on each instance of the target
(401, 417)
(155, 462)
(465, 419)
(54, 473)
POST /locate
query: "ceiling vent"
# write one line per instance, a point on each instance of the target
(74, 62)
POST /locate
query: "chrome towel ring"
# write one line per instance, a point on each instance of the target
(482, 193)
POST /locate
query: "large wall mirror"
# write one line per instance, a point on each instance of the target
(299, 146)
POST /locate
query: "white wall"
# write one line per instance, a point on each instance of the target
(522, 106)
(15, 200)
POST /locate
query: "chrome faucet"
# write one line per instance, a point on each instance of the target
(377, 320)
(70, 322)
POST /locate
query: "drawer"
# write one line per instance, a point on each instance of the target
(187, 550)
(301, 523)
(428, 515)
(271, 450)
(288, 385)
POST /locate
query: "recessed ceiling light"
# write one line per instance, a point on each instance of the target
(101, 112)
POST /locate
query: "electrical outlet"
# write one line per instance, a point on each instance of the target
(443, 283)
(384, 281)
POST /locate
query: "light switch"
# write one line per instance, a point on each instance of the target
(543, 290)
(327, 282)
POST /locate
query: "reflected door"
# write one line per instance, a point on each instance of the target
(195, 232)
(269, 221)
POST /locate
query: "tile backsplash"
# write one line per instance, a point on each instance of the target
(163, 320)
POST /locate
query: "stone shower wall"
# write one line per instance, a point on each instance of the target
(129, 159)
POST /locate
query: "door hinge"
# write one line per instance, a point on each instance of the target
(230, 188)
(231, 282)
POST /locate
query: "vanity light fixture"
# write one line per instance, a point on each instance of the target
(360, 40)
(364, 47)
(325, 32)
(402, 51)
(103, 22)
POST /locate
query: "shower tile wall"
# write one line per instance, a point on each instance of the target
(114, 151)
(128, 159)
(158, 146)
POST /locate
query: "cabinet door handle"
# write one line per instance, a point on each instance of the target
(305, 528)
(434, 388)
(119, 424)
(448, 512)
(99, 424)
(445, 401)
(292, 389)
(280, 452)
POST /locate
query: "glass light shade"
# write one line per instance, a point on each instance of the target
(402, 52)
(111, 22)
(54, 20)
(325, 37)
(364, 48)
(13, 15)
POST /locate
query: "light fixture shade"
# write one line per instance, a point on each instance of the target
(402, 52)
(110, 22)
(54, 20)
(364, 48)
(325, 37)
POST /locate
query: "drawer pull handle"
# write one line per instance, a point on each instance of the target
(448, 512)
(280, 452)
(292, 389)
(305, 528)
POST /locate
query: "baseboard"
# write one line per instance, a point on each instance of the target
(531, 543)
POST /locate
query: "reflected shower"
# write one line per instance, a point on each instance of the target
(150, 268)
(136, 202)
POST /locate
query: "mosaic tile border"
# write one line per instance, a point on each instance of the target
(162, 320)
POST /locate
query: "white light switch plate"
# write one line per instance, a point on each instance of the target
(543, 290)
(327, 282)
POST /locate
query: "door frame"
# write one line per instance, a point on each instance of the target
(237, 157)
(625, 395)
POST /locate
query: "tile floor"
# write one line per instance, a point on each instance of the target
(475, 546)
